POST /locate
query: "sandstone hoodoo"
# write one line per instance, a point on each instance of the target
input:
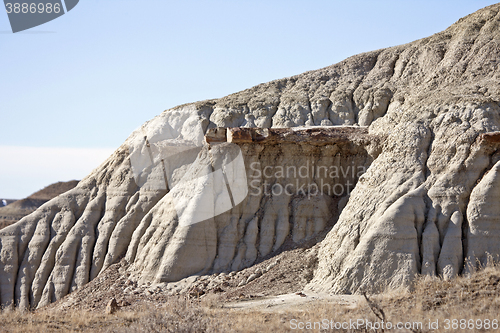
(388, 161)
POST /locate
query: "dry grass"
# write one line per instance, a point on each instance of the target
(477, 297)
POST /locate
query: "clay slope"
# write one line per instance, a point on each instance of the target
(174, 205)
(18, 209)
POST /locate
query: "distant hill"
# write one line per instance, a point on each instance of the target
(17, 209)
(5, 202)
(53, 190)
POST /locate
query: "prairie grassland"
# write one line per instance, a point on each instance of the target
(469, 303)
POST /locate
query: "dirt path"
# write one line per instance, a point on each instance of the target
(295, 301)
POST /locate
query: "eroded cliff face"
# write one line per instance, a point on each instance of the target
(247, 193)
(425, 204)
(175, 203)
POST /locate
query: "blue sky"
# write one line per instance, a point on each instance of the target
(76, 87)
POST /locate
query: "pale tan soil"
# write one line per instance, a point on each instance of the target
(294, 301)
(291, 271)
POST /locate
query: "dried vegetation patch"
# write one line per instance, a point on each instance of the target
(431, 299)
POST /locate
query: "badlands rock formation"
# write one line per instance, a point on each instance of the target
(173, 202)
